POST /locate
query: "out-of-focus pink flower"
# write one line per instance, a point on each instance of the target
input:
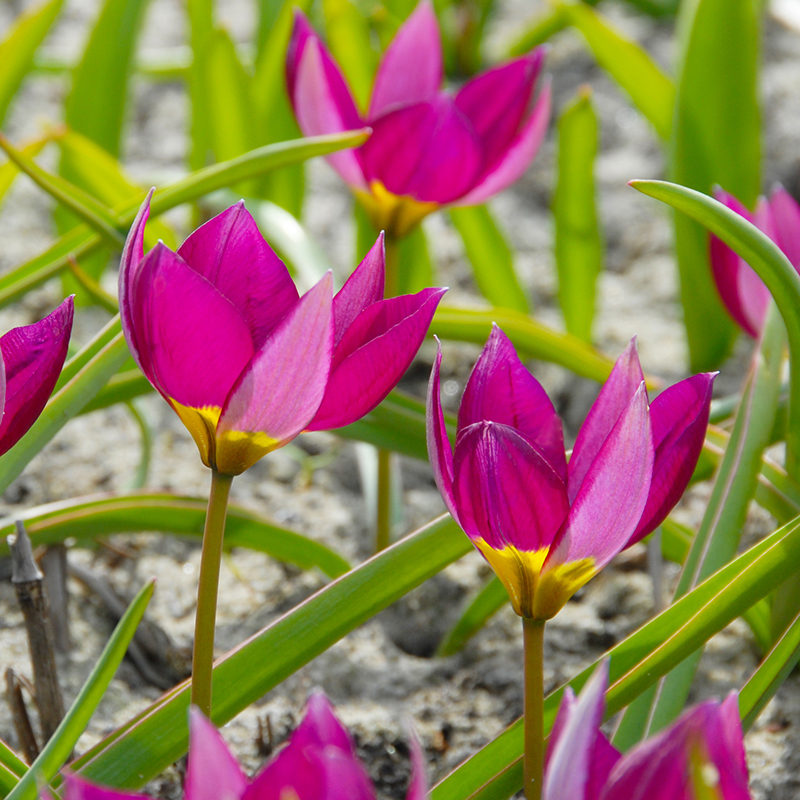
(31, 358)
(427, 148)
(742, 291)
(319, 762)
(700, 756)
(219, 330)
(546, 527)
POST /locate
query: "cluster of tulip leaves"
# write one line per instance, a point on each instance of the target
(244, 142)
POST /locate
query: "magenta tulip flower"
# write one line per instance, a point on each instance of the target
(742, 291)
(427, 148)
(700, 756)
(31, 358)
(219, 330)
(546, 527)
(319, 762)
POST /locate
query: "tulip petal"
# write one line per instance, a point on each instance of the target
(197, 342)
(725, 743)
(418, 785)
(614, 397)
(571, 761)
(786, 219)
(282, 387)
(320, 727)
(76, 788)
(411, 69)
(495, 103)
(506, 492)
(500, 389)
(129, 266)
(32, 358)
(363, 288)
(516, 159)
(230, 252)
(212, 772)
(426, 151)
(373, 355)
(605, 512)
(679, 416)
(440, 452)
(321, 98)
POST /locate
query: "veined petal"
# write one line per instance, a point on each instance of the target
(605, 512)
(614, 397)
(501, 389)
(129, 266)
(321, 98)
(517, 158)
(495, 103)
(426, 151)
(679, 416)
(571, 772)
(440, 452)
(373, 355)
(363, 288)
(197, 342)
(507, 494)
(212, 773)
(280, 391)
(411, 69)
(230, 252)
(725, 743)
(76, 788)
(32, 358)
(786, 219)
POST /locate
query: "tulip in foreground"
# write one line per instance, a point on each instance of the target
(318, 763)
(699, 757)
(744, 294)
(428, 148)
(219, 330)
(31, 358)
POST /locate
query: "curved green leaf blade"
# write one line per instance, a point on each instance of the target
(490, 256)
(139, 750)
(87, 518)
(62, 742)
(540, 30)
(578, 247)
(488, 602)
(9, 760)
(10, 170)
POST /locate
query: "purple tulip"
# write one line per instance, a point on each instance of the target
(427, 148)
(31, 358)
(319, 762)
(219, 330)
(742, 291)
(701, 755)
(546, 527)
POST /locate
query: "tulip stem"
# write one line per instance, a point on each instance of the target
(392, 284)
(207, 589)
(533, 646)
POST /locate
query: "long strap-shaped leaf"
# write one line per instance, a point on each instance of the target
(81, 241)
(61, 744)
(89, 517)
(636, 663)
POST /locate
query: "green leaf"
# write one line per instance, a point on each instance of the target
(143, 747)
(82, 241)
(636, 73)
(62, 406)
(716, 141)
(142, 511)
(484, 605)
(201, 25)
(637, 662)
(579, 251)
(491, 257)
(121, 388)
(676, 539)
(8, 780)
(10, 170)
(139, 479)
(543, 27)
(531, 338)
(18, 47)
(717, 539)
(9, 760)
(63, 741)
(772, 266)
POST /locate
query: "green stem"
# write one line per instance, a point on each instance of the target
(533, 646)
(203, 656)
(383, 523)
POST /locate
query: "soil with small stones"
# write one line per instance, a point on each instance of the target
(382, 674)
